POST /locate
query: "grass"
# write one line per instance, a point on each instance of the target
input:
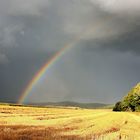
(31, 123)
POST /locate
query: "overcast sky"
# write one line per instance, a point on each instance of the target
(101, 67)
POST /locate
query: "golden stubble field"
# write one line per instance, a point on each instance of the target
(32, 123)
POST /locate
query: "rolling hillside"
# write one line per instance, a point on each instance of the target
(76, 104)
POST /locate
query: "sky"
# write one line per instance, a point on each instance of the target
(102, 66)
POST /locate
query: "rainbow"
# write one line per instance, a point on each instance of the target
(42, 71)
(53, 60)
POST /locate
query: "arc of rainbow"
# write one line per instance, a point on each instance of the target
(43, 69)
(49, 63)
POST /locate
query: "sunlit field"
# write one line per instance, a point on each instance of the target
(35, 123)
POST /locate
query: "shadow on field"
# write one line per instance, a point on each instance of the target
(20, 132)
(34, 133)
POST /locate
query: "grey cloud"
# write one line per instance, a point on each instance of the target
(92, 21)
(74, 19)
(32, 31)
(3, 59)
(8, 35)
(125, 7)
(126, 43)
(26, 7)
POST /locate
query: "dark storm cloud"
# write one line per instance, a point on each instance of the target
(122, 31)
(32, 31)
(20, 57)
(126, 43)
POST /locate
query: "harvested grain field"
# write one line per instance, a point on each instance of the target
(35, 123)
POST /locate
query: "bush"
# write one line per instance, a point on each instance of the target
(117, 107)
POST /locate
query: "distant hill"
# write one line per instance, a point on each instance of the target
(64, 104)
(131, 102)
(76, 104)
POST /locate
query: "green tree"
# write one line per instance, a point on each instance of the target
(117, 107)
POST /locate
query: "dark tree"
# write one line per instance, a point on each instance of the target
(117, 107)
